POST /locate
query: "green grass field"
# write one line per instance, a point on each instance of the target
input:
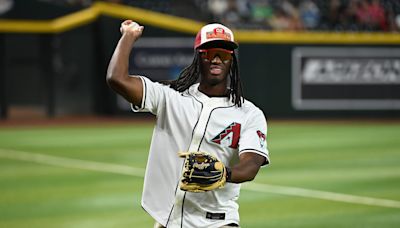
(360, 159)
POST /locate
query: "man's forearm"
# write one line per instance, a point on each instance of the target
(247, 168)
(119, 64)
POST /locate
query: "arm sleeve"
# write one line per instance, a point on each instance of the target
(154, 96)
(253, 137)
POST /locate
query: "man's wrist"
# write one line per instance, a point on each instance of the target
(129, 38)
(228, 174)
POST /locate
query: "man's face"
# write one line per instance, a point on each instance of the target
(215, 64)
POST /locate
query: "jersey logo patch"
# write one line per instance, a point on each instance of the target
(229, 136)
(262, 138)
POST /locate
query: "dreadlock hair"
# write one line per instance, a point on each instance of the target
(190, 75)
(236, 90)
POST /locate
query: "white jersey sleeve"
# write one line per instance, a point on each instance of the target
(154, 95)
(253, 136)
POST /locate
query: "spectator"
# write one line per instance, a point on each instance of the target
(360, 9)
(294, 15)
(261, 11)
(369, 14)
(397, 21)
(330, 14)
(338, 16)
(218, 8)
(281, 20)
(290, 9)
(309, 14)
(243, 7)
(377, 16)
(391, 13)
(5, 6)
(231, 16)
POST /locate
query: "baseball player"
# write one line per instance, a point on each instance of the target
(201, 112)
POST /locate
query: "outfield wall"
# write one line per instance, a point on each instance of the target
(335, 80)
(59, 65)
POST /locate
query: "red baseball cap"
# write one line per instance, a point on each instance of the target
(215, 34)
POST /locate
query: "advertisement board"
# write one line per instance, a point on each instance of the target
(350, 78)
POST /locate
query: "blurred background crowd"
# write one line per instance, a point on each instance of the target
(354, 15)
(292, 15)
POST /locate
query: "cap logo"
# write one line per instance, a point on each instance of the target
(218, 33)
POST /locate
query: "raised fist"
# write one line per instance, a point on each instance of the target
(129, 27)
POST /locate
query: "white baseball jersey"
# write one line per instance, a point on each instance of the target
(192, 121)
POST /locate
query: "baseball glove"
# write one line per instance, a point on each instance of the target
(202, 172)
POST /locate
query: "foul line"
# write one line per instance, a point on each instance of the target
(332, 196)
(139, 172)
(71, 163)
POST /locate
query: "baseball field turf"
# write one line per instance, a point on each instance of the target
(323, 174)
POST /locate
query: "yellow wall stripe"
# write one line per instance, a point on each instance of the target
(25, 26)
(74, 20)
(152, 18)
(189, 26)
(57, 25)
(316, 37)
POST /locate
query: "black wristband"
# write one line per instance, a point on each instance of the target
(228, 174)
